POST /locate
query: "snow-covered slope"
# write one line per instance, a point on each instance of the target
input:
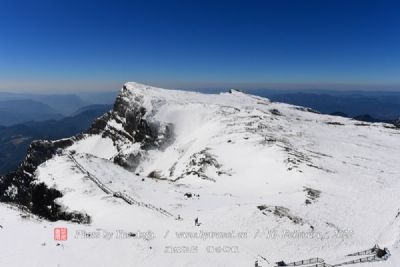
(213, 180)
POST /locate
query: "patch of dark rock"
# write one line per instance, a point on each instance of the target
(206, 160)
(398, 214)
(262, 103)
(268, 140)
(117, 135)
(361, 124)
(262, 207)
(295, 158)
(311, 194)
(319, 153)
(229, 141)
(155, 175)
(308, 110)
(281, 212)
(130, 161)
(200, 175)
(313, 111)
(198, 164)
(100, 124)
(190, 195)
(172, 169)
(391, 127)
(275, 112)
(334, 123)
(318, 167)
(281, 263)
(223, 173)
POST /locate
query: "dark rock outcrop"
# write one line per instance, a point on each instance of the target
(21, 187)
(129, 112)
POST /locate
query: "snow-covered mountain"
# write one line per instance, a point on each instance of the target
(175, 178)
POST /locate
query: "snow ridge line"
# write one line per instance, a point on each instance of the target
(123, 196)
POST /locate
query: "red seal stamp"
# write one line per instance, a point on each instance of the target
(60, 234)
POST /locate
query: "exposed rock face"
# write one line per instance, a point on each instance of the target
(135, 128)
(149, 134)
(20, 187)
(99, 124)
(199, 164)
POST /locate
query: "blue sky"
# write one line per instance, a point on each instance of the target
(98, 45)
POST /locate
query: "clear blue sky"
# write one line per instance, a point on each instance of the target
(97, 45)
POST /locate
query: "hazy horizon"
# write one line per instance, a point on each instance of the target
(103, 87)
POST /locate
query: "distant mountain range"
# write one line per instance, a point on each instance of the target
(19, 111)
(15, 140)
(16, 108)
(64, 104)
